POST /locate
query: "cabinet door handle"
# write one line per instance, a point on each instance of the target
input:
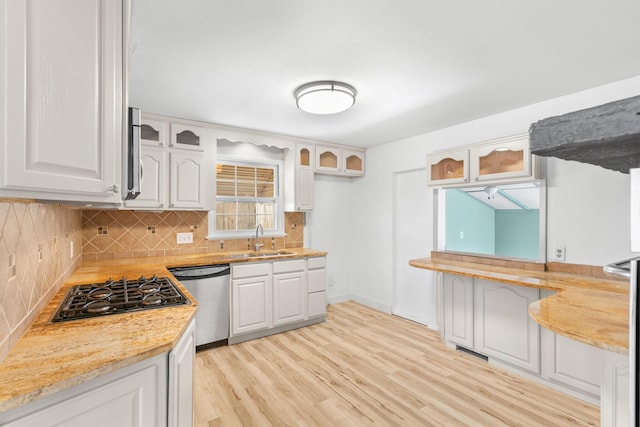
(115, 189)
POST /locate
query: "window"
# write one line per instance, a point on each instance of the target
(246, 195)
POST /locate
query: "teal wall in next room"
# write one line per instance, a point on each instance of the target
(470, 224)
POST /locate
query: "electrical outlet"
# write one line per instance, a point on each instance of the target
(560, 254)
(330, 282)
(182, 238)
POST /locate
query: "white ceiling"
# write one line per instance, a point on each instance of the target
(418, 65)
(524, 195)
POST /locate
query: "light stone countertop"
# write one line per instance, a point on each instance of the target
(591, 310)
(54, 356)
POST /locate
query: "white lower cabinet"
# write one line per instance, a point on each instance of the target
(317, 287)
(614, 403)
(458, 310)
(492, 319)
(272, 296)
(502, 326)
(181, 361)
(251, 298)
(569, 362)
(156, 392)
(131, 397)
(289, 291)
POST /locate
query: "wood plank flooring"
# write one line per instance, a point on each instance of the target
(364, 367)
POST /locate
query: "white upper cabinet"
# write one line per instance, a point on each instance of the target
(186, 188)
(505, 159)
(299, 183)
(336, 160)
(448, 167)
(62, 110)
(154, 132)
(186, 137)
(154, 176)
(177, 164)
(353, 162)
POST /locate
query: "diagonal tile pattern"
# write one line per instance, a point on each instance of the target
(124, 234)
(35, 259)
(36, 239)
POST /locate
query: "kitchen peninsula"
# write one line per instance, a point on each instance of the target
(587, 309)
(487, 310)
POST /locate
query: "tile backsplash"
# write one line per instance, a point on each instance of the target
(35, 260)
(110, 234)
(41, 244)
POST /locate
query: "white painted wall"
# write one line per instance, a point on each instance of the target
(588, 207)
(412, 230)
(328, 228)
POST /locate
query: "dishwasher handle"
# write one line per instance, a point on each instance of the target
(200, 272)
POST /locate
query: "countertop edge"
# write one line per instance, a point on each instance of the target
(37, 345)
(576, 297)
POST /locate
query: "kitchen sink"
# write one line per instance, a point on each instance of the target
(265, 254)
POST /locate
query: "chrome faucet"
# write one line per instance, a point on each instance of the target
(259, 245)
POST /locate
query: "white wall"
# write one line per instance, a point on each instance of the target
(328, 228)
(588, 207)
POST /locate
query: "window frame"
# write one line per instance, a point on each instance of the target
(279, 198)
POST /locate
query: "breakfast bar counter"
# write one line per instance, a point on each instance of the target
(51, 357)
(588, 309)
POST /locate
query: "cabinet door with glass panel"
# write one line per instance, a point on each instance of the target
(353, 162)
(186, 137)
(154, 132)
(247, 195)
(448, 167)
(346, 161)
(304, 183)
(328, 159)
(503, 158)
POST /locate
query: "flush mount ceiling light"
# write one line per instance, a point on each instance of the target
(325, 97)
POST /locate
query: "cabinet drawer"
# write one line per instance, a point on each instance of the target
(250, 270)
(317, 304)
(288, 266)
(317, 280)
(317, 262)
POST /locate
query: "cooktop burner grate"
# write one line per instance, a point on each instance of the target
(123, 296)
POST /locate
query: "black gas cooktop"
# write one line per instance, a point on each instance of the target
(122, 296)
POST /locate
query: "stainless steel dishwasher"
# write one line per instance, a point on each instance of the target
(210, 286)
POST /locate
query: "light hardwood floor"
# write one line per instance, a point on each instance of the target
(364, 367)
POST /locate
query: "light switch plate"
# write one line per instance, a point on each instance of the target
(182, 238)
